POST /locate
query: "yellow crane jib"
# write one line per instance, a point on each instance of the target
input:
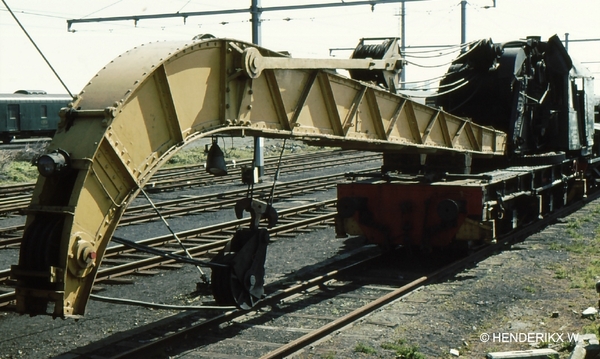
(389, 65)
(143, 106)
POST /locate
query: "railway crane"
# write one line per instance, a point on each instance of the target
(511, 141)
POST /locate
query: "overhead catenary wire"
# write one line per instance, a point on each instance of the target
(33, 13)
(475, 43)
(453, 49)
(438, 55)
(186, 4)
(106, 7)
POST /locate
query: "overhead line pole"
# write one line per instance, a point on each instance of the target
(256, 10)
(259, 142)
(403, 42)
(463, 24)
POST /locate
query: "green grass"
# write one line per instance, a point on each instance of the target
(587, 276)
(183, 158)
(404, 350)
(566, 346)
(561, 273)
(15, 166)
(364, 348)
(18, 172)
(573, 233)
(585, 270)
(196, 155)
(574, 224)
(591, 328)
(584, 276)
(556, 246)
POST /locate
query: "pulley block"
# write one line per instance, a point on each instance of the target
(242, 282)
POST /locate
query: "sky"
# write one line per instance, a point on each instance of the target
(79, 54)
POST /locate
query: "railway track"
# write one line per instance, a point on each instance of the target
(14, 190)
(195, 176)
(220, 233)
(15, 198)
(328, 288)
(291, 320)
(11, 236)
(120, 260)
(297, 316)
(23, 144)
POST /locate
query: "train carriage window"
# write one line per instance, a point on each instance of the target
(12, 122)
(44, 111)
(13, 112)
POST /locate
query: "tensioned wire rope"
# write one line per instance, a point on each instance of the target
(453, 86)
(446, 51)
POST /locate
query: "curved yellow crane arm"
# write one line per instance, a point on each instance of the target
(150, 101)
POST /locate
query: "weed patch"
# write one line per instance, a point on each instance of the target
(404, 350)
(364, 348)
(16, 167)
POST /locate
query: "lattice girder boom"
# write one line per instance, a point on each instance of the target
(152, 100)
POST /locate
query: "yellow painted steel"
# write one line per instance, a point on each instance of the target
(149, 102)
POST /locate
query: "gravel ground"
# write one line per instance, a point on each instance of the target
(42, 337)
(535, 290)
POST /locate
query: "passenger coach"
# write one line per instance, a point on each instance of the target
(29, 113)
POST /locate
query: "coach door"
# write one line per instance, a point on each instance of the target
(12, 120)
